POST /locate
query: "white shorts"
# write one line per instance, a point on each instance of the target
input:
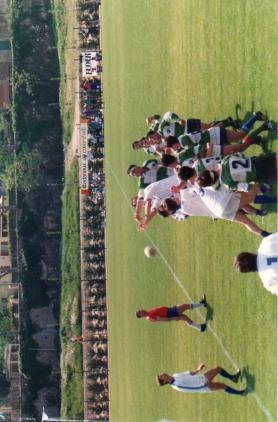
(216, 150)
(222, 202)
(214, 133)
(231, 208)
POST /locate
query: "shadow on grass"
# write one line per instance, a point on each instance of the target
(249, 379)
(209, 316)
(269, 137)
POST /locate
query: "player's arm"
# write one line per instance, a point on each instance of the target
(207, 151)
(139, 206)
(198, 369)
(143, 225)
(179, 187)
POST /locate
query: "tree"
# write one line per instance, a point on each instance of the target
(24, 172)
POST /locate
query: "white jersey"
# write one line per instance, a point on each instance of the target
(222, 202)
(187, 383)
(192, 204)
(267, 263)
(161, 190)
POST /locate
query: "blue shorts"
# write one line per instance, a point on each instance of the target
(172, 312)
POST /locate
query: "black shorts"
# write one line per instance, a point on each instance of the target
(266, 168)
(193, 125)
(223, 136)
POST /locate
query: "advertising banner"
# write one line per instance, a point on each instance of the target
(90, 66)
(84, 188)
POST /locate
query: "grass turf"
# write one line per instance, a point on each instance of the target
(199, 59)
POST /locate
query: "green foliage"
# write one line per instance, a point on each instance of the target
(36, 169)
(24, 172)
(70, 307)
(24, 82)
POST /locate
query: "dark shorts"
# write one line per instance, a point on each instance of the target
(223, 136)
(172, 312)
(266, 168)
(193, 125)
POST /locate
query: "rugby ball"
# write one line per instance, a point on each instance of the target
(149, 251)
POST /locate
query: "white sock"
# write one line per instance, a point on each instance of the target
(196, 326)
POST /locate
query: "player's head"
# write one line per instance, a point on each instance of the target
(172, 142)
(185, 173)
(151, 119)
(246, 262)
(141, 313)
(168, 160)
(206, 178)
(141, 143)
(163, 379)
(153, 137)
(134, 170)
(170, 205)
(163, 212)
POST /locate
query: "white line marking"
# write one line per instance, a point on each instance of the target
(179, 283)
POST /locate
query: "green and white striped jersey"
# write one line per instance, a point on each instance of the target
(238, 172)
(210, 163)
(153, 172)
(199, 139)
(187, 157)
(170, 126)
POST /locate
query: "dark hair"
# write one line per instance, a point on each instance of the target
(135, 143)
(184, 173)
(206, 178)
(170, 141)
(171, 205)
(246, 262)
(163, 213)
(168, 159)
(156, 116)
(132, 166)
(160, 381)
(137, 313)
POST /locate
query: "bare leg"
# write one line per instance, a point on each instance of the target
(243, 219)
(232, 149)
(211, 373)
(249, 209)
(233, 135)
(216, 386)
(185, 318)
(183, 307)
(248, 197)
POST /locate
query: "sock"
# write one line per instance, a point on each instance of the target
(249, 123)
(264, 199)
(226, 374)
(259, 212)
(196, 305)
(230, 390)
(264, 233)
(253, 137)
(196, 326)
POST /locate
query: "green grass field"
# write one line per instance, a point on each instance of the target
(202, 59)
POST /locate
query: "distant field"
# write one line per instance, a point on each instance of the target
(202, 59)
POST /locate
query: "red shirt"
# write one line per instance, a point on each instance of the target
(155, 313)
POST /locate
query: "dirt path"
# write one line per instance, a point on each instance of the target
(74, 145)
